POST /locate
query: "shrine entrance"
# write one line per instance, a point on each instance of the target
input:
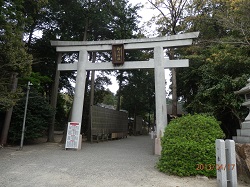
(158, 63)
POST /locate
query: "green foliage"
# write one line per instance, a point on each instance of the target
(64, 102)
(14, 58)
(187, 142)
(236, 20)
(37, 80)
(109, 98)
(138, 94)
(208, 85)
(7, 98)
(39, 115)
(100, 91)
(219, 62)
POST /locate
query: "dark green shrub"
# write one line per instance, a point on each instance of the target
(187, 142)
(39, 115)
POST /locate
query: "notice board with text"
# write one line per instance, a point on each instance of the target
(73, 135)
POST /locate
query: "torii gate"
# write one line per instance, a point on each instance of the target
(158, 64)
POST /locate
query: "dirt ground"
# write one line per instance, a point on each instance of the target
(126, 162)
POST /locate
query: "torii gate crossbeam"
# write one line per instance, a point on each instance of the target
(158, 64)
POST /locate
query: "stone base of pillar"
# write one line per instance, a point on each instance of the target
(157, 147)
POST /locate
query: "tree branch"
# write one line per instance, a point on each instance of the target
(154, 5)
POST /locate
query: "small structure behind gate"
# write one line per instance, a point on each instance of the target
(108, 124)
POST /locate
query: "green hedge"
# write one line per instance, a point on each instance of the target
(188, 142)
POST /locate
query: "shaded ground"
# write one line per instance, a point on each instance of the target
(126, 162)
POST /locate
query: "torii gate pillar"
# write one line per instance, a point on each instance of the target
(160, 97)
(80, 87)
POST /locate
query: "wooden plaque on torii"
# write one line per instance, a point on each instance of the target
(118, 54)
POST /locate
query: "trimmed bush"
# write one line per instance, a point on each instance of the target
(188, 143)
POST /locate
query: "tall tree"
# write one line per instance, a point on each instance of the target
(169, 22)
(219, 63)
(234, 16)
(13, 54)
(100, 20)
(34, 11)
(14, 60)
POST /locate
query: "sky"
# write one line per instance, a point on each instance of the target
(146, 13)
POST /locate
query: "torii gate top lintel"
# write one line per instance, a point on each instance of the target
(142, 43)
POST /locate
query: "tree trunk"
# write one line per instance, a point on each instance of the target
(134, 124)
(92, 96)
(31, 30)
(8, 115)
(92, 89)
(92, 82)
(174, 92)
(53, 101)
(118, 107)
(85, 106)
(174, 85)
(149, 125)
(120, 77)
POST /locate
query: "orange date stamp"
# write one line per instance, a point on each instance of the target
(215, 166)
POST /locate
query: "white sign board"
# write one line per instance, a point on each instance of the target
(73, 134)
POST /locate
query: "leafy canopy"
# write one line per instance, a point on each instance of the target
(14, 58)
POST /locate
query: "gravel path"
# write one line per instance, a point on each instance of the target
(123, 163)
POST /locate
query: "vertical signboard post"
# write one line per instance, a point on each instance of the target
(73, 140)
